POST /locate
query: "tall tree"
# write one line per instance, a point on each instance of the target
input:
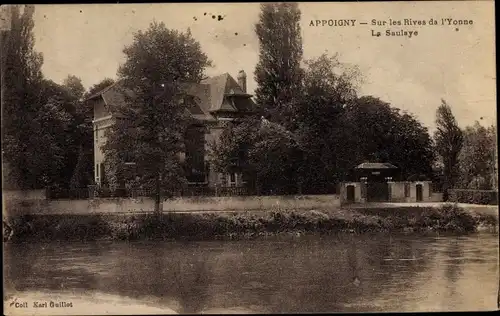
(149, 129)
(278, 73)
(449, 139)
(477, 159)
(26, 145)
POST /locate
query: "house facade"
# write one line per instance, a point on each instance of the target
(212, 103)
(382, 182)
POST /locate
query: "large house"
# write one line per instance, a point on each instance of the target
(211, 102)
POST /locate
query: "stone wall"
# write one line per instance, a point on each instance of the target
(109, 205)
(397, 192)
(28, 195)
(358, 196)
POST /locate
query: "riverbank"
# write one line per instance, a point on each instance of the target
(236, 225)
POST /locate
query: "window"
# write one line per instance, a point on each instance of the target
(191, 103)
(407, 190)
(195, 154)
(96, 135)
(97, 171)
(232, 178)
(222, 178)
(244, 178)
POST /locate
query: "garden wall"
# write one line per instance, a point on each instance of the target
(129, 205)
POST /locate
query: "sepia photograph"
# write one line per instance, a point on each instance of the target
(249, 158)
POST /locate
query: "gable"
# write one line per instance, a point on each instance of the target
(101, 109)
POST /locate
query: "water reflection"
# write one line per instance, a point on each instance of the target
(311, 274)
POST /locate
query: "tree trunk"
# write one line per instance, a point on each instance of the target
(158, 194)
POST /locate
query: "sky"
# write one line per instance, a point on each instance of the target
(451, 62)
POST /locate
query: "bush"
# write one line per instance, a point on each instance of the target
(454, 218)
(483, 197)
(206, 226)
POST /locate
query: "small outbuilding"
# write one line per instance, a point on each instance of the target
(382, 182)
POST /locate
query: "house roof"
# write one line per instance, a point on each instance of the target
(376, 165)
(112, 95)
(215, 94)
(226, 94)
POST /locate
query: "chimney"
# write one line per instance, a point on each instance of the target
(242, 80)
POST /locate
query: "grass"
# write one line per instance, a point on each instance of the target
(235, 225)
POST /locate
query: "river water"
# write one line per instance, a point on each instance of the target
(344, 273)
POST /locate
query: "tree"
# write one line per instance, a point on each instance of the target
(149, 128)
(278, 73)
(449, 139)
(82, 174)
(75, 86)
(60, 113)
(477, 159)
(83, 171)
(24, 140)
(381, 133)
(106, 82)
(267, 154)
(328, 86)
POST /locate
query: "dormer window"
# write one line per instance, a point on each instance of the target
(191, 103)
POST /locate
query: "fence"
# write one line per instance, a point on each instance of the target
(73, 194)
(104, 192)
(483, 197)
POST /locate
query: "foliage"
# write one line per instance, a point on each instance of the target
(275, 158)
(477, 159)
(482, 197)
(267, 153)
(382, 133)
(21, 105)
(106, 82)
(278, 73)
(328, 86)
(150, 126)
(236, 225)
(42, 123)
(74, 85)
(83, 171)
(449, 140)
(82, 146)
(335, 131)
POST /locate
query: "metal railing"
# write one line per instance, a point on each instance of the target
(105, 192)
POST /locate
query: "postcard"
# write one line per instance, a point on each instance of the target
(199, 158)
